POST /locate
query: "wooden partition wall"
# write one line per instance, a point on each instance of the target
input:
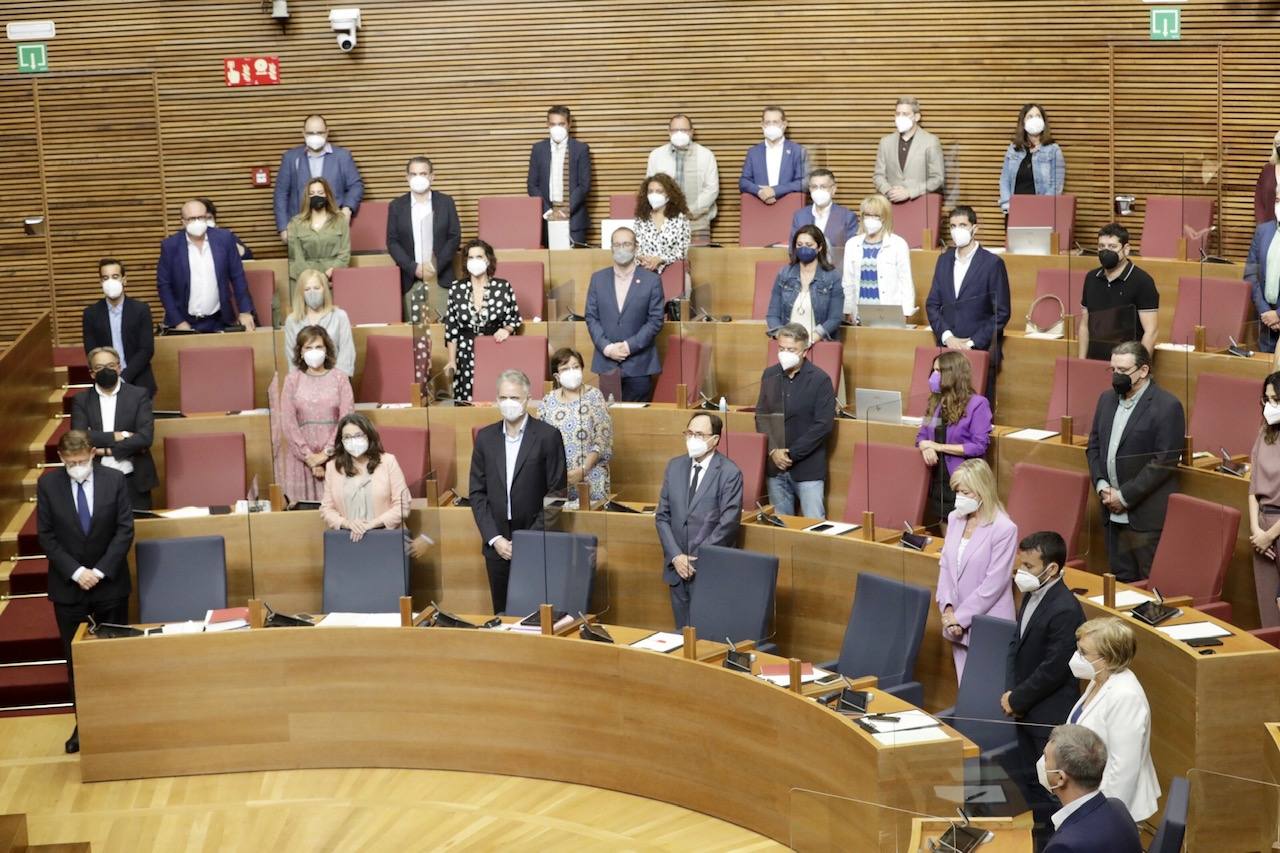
(26, 374)
(134, 116)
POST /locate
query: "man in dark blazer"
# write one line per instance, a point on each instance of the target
(119, 420)
(1134, 448)
(838, 223)
(516, 464)
(554, 160)
(215, 294)
(1265, 300)
(1039, 687)
(968, 304)
(122, 323)
(700, 504)
(1089, 821)
(85, 527)
(624, 317)
(315, 158)
(789, 158)
(422, 263)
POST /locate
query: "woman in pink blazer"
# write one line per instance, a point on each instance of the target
(364, 487)
(974, 573)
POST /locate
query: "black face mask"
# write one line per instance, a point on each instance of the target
(1121, 383)
(1109, 258)
(317, 202)
(106, 378)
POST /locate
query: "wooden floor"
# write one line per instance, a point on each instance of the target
(347, 810)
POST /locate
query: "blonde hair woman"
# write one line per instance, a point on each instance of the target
(877, 262)
(313, 306)
(977, 557)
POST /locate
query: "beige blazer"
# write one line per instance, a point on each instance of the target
(924, 170)
(390, 495)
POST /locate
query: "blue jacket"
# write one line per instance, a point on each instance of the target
(638, 323)
(791, 177)
(173, 277)
(539, 184)
(982, 308)
(1101, 825)
(1255, 272)
(842, 223)
(825, 292)
(1048, 167)
(338, 168)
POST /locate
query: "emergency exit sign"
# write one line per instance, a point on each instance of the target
(1166, 24)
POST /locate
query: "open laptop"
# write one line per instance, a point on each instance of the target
(1029, 240)
(872, 404)
(882, 316)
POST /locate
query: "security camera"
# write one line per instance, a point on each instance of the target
(345, 22)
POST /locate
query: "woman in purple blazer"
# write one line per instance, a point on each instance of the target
(957, 426)
(974, 572)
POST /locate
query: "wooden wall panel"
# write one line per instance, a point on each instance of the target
(24, 260)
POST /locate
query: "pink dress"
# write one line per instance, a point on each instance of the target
(310, 408)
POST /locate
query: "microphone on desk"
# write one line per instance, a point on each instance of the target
(767, 518)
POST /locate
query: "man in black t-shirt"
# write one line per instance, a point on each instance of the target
(1120, 302)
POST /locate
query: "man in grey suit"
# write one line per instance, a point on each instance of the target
(624, 317)
(701, 504)
(909, 160)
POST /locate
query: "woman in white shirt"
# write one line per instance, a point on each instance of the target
(1115, 707)
(877, 262)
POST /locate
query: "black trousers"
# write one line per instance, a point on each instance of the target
(637, 389)
(69, 617)
(499, 572)
(1130, 552)
(1031, 743)
(681, 598)
(138, 498)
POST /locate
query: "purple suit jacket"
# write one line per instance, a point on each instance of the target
(973, 431)
(981, 582)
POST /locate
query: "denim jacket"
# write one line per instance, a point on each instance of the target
(825, 293)
(1047, 166)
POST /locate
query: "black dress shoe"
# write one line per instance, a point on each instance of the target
(73, 742)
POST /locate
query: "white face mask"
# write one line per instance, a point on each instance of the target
(903, 123)
(961, 236)
(1082, 667)
(571, 379)
(315, 141)
(966, 505)
(512, 410)
(657, 201)
(81, 472)
(697, 447)
(477, 266)
(772, 132)
(872, 224)
(314, 358)
(680, 138)
(419, 183)
(788, 360)
(1278, 211)
(1043, 775)
(1271, 412)
(820, 197)
(1034, 125)
(112, 288)
(558, 132)
(197, 227)
(1026, 581)
(356, 447)
(314, 299)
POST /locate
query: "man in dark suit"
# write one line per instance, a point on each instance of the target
(423, 234)
(700, 504)
(1039, 687)
(118, 418)
(85, 527)
(516, 465)
(316, 158)
(122, 323)
(838, 223)
(776, 166)
(560, 174)
(968, 304)
(1088, 822)
(1264, 281)
(200, 277)
(1134, 448)
(624, 317)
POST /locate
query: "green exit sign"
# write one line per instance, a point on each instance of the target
(1166, 24)
(33, 58)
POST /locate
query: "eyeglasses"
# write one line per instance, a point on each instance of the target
(624, 245)
(702, 435)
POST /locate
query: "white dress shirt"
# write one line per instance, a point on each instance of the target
(420, 214)
(1071, 808)
(1033, 601)
(107, 405)
(75, 501)
(513, 451)
(203, 300)
(958, 271)
(820, 217)
(558, 152)
(115, 319)
(773, 160)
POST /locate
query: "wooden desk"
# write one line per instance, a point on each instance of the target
(657, 726)
(1011, 835)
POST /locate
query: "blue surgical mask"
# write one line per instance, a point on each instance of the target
(806, 254)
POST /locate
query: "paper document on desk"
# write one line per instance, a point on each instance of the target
(616, 405)
(902, 721)
(1195, 631)
(1032, 434)
(1043, 336)
(1176, 347)
(660, 641)
(1126, 598)
(185, 512)
(912, 420)
(780, 674)
(910, 736)
(171, 628)
(360, 620)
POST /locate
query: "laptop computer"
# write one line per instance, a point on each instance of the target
(871, 404)
(1029, 240)
(882, 316)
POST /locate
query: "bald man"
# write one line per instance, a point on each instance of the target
(199, 277)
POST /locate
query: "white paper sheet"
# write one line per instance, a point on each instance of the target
(186, 512)
(1195, 630)
(1126, 598)
(661, 641)
(1043, 336)
(171, 628)
(1030, 434)
(905, 720)
(911, 736)
(360, 620)
(1176, 347)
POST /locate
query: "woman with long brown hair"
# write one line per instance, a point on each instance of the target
(957, 426)
(1264, 504)
(662, 223)
(319, 236)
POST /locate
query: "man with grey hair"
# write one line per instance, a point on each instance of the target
(516, 464)
(909, 160)
(1088, 822)
(120, 423)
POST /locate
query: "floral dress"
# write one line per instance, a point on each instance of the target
(310, 408)
(463, 324)
(585, 426)
(670, 242)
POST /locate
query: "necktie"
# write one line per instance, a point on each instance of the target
(679, 158)
(693, 484)
(82, 507)
(565, 191)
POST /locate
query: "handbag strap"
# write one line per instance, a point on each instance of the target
(1062, 309)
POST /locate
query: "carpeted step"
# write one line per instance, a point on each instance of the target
(33, 685)
(28, 632)
(28, 542)
(29, 577)
(51, 446)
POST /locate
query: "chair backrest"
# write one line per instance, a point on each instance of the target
(890, 480)
(687, 360)
(886, 627)
(510, 222)
(204, 469)
(733, 597)
(527, 280)
(1173, 826)
(828, 355)
(1171, 217)
(181, 579)
(983, 683)
(368, 294)
(1045, 211)
(673, 280)
(215, 379)
(918, 399)
(766, 274)
(1043, 498)
(911, 218)
(388, 370)
(411, 446)
(369, 227)
(747, 450)
(1221, 305)
(550, 567)
(767, 224)
(368, 576)
(1195, 548)
(1066, 284)
(262, 289)
(622, 206)
(1077, 384)
(522, 352)
(1225, 414)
